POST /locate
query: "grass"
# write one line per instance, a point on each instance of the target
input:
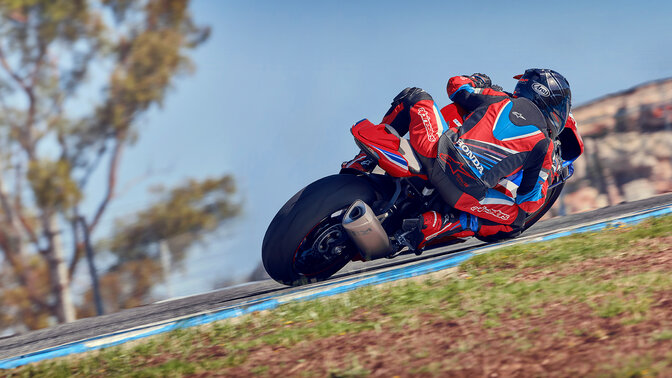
(568, 250)
(511, 284)
(663, 335)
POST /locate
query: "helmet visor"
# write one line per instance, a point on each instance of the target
(556, 115)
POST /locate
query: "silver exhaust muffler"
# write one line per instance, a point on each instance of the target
(364, 228)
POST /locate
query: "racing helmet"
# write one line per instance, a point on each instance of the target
(550, 92)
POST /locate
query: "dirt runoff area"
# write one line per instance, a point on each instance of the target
(567, 340)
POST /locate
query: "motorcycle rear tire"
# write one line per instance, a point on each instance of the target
(300, 215)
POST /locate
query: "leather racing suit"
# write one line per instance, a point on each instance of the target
(489, 155)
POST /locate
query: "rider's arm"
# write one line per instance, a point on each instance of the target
(534, 184)
(465, 92)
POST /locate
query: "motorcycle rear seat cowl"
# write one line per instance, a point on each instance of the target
(406, 151)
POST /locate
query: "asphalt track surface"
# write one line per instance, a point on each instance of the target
(25, 344)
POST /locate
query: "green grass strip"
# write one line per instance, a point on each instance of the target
(515, 282)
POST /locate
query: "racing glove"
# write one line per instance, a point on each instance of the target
(481, 80)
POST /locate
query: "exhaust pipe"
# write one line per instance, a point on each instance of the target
(364, 228)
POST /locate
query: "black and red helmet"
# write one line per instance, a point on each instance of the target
(550, 92)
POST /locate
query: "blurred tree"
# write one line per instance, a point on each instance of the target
(20, 309)
(181, 217)
(126, 285)
(57, 126)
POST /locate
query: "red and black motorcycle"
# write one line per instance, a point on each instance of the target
(359, 216)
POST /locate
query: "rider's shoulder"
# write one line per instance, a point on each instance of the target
(524, 112)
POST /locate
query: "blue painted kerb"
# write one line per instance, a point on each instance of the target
(272, 302)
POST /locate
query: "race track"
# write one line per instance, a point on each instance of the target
(113, 329)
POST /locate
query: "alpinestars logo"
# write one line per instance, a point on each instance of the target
(471, 155)
(518, 115)
(458, 167)
(495, 213)
(427, 122)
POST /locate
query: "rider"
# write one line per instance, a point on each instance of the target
(492, 164)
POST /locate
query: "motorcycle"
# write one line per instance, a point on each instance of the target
(354, 216)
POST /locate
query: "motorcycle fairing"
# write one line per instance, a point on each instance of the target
(570, 140)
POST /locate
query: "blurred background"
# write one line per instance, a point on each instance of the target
(146, 145)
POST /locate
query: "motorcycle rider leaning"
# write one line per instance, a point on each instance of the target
(493, 168)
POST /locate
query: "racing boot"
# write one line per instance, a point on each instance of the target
(433, 227)
(362, 163)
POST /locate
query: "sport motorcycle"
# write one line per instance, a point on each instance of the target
(358, 216)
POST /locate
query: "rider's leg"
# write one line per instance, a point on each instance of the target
(492, 231)
(413, 111)
(384, 144)
(459, 225)
(436, 226)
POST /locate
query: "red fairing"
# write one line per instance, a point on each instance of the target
(570, 139)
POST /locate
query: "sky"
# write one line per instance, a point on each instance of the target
(279, 83)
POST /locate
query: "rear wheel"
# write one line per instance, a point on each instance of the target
(305, 242)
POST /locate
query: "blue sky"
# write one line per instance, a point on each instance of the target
(279, 83)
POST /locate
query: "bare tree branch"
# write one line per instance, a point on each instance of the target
(77, 246)
(111, 182)
(18, 186)
(11, 72)
(9, 120)
(134, 182)
(16, 213)
(91, 168)
(42, 51)
(26, 131)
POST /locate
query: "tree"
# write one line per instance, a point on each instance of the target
(180, 218)
(49, 147)
(128, 284)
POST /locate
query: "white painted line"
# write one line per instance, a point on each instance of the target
(120, 337)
